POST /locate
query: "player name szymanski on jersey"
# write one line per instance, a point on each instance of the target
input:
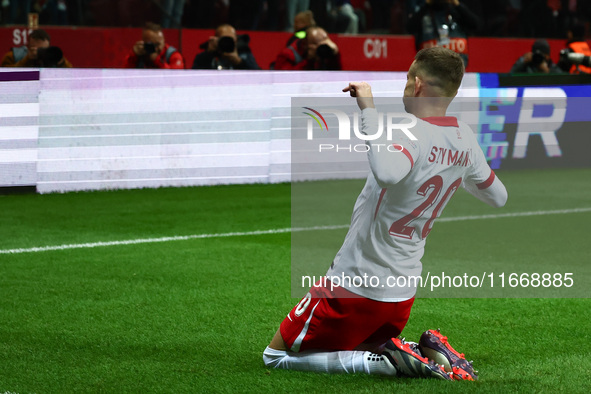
(405, 192)
(450, 157)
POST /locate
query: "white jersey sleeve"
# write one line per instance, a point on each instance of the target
(482, 182)
(388, 168)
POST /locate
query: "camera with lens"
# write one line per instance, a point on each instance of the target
(149, 48)
(324, 51)
(569, 57)
(50, 57)
(538, 57)
(226, 44)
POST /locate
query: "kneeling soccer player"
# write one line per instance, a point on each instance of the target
(347, 329)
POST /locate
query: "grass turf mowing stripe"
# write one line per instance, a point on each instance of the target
(272, 231)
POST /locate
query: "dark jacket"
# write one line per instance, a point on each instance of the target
(521, 66)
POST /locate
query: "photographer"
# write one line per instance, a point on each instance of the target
(301, 22)
(316, 51)
(153, 52)
(37, 53)
(226, 51)
(576, 57)
(536, 61)
(443, 23)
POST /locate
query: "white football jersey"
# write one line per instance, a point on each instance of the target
(405, 192)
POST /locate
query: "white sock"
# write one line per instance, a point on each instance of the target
(351, 361)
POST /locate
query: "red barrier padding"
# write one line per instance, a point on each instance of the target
(90, 47)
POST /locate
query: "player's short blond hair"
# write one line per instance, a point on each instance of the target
(441, 68)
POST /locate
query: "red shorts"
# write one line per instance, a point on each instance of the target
(341, 320)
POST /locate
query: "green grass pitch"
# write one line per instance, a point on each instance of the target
(195, 315)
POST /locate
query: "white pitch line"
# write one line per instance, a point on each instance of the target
(272, 231)
(515, 214)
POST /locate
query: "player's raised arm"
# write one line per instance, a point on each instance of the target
(390, 161)
(362, 91)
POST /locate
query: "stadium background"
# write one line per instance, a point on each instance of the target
(178, 289)
(108, 47)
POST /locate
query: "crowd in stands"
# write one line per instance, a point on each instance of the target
(498, 18)
(432, 22)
